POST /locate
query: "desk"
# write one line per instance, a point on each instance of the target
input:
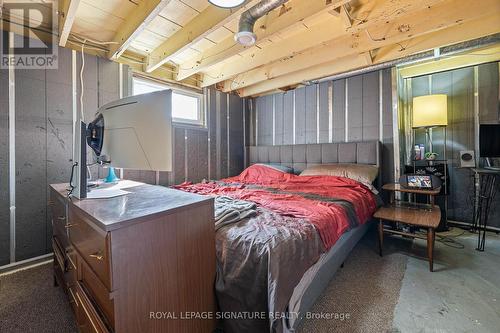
(485, 189)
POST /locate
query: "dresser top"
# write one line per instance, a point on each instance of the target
(143, 201)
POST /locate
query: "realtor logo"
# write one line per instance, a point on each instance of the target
(29, 34)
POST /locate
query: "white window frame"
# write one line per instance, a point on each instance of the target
(201, 121)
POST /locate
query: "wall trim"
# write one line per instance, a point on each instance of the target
(12, 153)
(317, 113)
(25, 264)
(330, 111)
(346, 110)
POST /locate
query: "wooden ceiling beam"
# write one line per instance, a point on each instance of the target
(374, 13)
(198, 28)
(419, 23)
(266, 27)
(138, 20)
(459, 33)
(67, 13)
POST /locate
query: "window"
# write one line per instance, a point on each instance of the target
(186, 105)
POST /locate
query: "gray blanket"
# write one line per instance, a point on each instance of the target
(229, 210)
(260, 260)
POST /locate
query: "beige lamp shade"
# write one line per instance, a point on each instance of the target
(430, 111)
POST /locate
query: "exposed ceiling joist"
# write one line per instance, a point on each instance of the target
(203, 24)
(315, 35)
(67, 13)
(344, 15)
(462, 32)
(419, 23)
(266, 27)
(138, 20)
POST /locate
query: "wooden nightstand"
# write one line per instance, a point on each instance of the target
(425, 216)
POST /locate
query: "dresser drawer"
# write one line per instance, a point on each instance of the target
(88, 317)
(96, 291)
(92, 245)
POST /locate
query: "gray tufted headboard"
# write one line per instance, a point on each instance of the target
(299, 157)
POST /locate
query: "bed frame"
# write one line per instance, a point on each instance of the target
(299, 157)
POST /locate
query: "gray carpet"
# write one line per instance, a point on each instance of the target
(30, 303)
(366, 289)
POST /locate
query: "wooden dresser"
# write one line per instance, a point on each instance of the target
(142, 262)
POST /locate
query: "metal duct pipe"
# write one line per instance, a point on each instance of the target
(245, 35)
(445, 51)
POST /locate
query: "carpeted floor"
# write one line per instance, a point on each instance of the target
(367, 289)
(30, 303)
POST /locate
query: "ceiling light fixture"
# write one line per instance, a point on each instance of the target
(226, 3)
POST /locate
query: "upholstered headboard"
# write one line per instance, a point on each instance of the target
(299, 157)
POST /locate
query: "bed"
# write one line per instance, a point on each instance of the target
(272, 266)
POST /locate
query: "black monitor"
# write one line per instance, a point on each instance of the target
(489, 140)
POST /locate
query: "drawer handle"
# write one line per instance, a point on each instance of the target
(98, 255)
(50, 202)
(61, 218)
(69, 225)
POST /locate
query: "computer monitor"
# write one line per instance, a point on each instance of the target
(134, 132)
(489, 142)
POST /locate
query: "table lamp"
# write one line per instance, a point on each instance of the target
(430, 111)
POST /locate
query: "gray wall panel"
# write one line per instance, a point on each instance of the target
(4, 169)
(280, 118)
(370, 120)
(311, 114)
(265, 120)
(489, 111)
(323, 112)
(288, 118)
(31, 169)
(197, 155)
(300, 115)
(364, 114)
(355, 108)
(338, 110)
(236, 142)
(387, 131)
(179, 162)
(222, 139)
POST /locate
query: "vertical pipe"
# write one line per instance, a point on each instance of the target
(121, 94)
(12, 151)
(395, 122)
(74, 95)
(244, 107)
(317, 112)
(208, 113)
(218, 133)
(476, 113)
(228, 110)
(293, 115)
(330, 111)
(346, 110)
(274, 119)
(185, 156)
(256, 112)
(380, 106)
